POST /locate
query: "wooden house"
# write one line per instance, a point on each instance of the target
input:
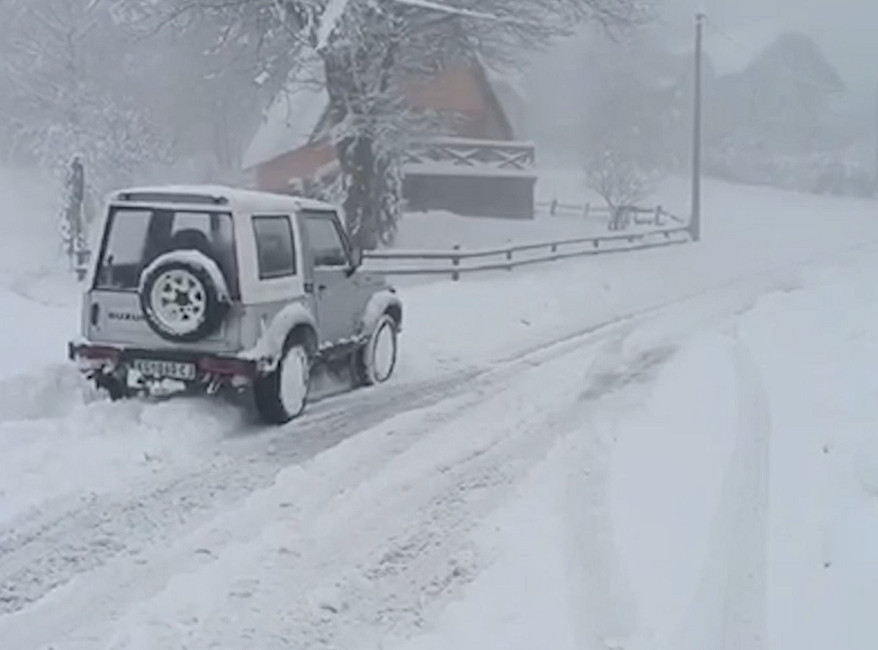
(477, 167)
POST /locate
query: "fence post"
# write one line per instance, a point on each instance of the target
(455, 262)
(553, 208)
(509, 259)
(587, 210)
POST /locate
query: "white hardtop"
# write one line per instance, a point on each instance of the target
(215, 197)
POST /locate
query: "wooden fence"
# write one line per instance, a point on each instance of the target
(657, 216)
(459, 261)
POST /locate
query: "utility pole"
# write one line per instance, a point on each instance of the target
(875, 178)
(695, 223)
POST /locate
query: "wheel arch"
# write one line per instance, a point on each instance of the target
(381, 303)
(303, 334)
(293, 323)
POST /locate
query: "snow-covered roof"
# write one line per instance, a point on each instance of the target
(290, 121)
(295, 115)
(232, 198)
(507, 88)
(732, 52)
(793, 54)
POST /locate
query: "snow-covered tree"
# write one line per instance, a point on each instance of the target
(367, 47)
(66, 72)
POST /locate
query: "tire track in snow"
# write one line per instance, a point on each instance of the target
(597, 586)
(404, 543)
(46, 552)
(106, 588)
(47, 548)
(730, 608)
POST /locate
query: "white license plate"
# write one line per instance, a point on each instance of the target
(165, 369)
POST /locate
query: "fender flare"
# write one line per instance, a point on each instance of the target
(379, 304)
(270, 345)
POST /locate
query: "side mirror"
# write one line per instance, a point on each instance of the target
(356, 260)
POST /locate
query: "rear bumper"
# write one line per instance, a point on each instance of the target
(94, 358)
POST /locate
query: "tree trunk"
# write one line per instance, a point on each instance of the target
(369, 166)
(357, 159)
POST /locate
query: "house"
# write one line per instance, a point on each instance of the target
(779, 102)
(477, 167)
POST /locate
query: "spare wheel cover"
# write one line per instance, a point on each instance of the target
(180, 298)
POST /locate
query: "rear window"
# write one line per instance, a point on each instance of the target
(275, 248)
(137, 236)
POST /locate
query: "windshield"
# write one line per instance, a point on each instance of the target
(137, 236)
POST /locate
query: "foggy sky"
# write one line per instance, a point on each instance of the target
(845, 29)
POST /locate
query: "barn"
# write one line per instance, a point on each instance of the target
(477, 167)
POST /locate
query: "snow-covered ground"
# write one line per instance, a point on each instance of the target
(670, 448)
(724, 499)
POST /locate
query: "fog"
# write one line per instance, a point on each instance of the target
(844, 28)
(185, 101)
(438, 324)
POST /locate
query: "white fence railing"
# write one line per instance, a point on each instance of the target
(468, 156)
(459, 261)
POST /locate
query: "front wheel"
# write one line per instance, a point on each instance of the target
(375, 362)
(281, 395)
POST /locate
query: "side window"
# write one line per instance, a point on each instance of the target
(274, 246)
(325, 241)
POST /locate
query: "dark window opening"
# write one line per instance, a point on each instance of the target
(275, 247)
(327, 244)
(137, 236)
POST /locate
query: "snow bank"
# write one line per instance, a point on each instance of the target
(729, 502)
(818, 352)
(605, 544)
(97, 447)
(35, 330)
(29, 222)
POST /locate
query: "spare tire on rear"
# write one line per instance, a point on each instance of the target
(184, 296)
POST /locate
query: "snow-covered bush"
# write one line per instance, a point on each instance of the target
(837, 173)
(620, 181)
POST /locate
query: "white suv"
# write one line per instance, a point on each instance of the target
(217, 289)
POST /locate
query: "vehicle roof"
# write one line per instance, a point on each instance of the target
(231, 198)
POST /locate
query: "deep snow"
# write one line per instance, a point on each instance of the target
(540, 474)
(730, 503)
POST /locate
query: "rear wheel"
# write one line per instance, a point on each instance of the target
(375, 362)
(281, 395)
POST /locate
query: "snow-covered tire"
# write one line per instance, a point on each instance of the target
(281, 395)
(375, 362)
(180, 297)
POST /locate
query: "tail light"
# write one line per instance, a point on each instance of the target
(227, 367)
(98, 353)
(91, 358)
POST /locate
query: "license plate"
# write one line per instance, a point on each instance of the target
(165, 369)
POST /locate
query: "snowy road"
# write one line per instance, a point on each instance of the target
(585, 455)
(367, 505)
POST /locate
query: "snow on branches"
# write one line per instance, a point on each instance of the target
(368, 47)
